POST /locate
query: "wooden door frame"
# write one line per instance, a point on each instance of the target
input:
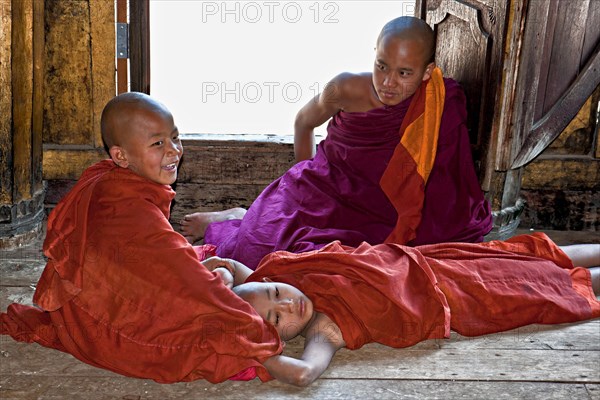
(133, 74)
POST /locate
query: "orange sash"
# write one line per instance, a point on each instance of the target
(406, 175)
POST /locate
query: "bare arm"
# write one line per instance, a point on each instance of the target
(239, 272)
(583, 255)
(315, 113)
(323, 340)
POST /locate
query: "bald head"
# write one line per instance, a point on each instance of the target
(122, 111)
(411, 28)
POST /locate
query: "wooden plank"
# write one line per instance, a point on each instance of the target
(22, 90)
(552, 124)
(494, 144)
(6, 170)
(68, 113)
(102, 39)
(80, 388)
(139, 45)
(583, 336)
(567, 46)
(211, 197)
(20, 273)
(551, 173)
(480, 364)
(547, 39)
(235, 162)
(69, 164)
(38, 95)
(531, 51)
(578, 137)
(592, 31)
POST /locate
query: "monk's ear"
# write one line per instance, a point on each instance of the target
(267, 280)
(428, 71)
(119, 156)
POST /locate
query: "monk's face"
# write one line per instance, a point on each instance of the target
(151, 146)
(283, 306)
(400, 67)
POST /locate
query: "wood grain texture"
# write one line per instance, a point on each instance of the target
(22, 92)
(68, 106)
(533, 362)
(5, 102)
(102, 38)
(69, 164)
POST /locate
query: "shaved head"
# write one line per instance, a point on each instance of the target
(411, 28)
(123, 111)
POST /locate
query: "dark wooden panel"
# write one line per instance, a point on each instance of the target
(38, 94)
(229, 162)
(545, 37)
(592, 31)
(139, 45)
(544, 131)
(211, 197)
(68, 103)
(566, 39)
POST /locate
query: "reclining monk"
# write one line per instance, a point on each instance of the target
(396, 161)
(396, 295)
(122, 290)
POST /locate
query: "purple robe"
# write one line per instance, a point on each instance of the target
(337, 195)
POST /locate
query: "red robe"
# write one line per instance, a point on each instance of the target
(123, 291)
(399, 296)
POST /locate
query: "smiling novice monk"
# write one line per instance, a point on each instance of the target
(122, 290)
(395, 167)
(398, 296)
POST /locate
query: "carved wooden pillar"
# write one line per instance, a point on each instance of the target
(21, 107)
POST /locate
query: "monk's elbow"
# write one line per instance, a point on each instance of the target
(305, 377)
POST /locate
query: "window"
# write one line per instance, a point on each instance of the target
(247, 67)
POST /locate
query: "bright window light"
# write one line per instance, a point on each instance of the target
(247, 67)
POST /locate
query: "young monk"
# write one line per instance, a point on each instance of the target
(396, 161)
(122, 290)
(398, 296)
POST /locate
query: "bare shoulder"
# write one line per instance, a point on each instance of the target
(324, 328)
(352, 92)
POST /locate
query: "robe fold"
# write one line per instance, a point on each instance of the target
(338, 194)
(399, 295)
(123, 291)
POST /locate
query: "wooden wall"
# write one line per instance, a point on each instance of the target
(80, 79)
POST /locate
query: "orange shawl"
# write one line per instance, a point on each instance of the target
(406, 175)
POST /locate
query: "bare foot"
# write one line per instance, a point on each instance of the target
(193, 226)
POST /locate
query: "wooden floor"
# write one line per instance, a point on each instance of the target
(537, 362)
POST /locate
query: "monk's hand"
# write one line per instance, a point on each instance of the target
(225, 275)
(215, 262)
(217, 265)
